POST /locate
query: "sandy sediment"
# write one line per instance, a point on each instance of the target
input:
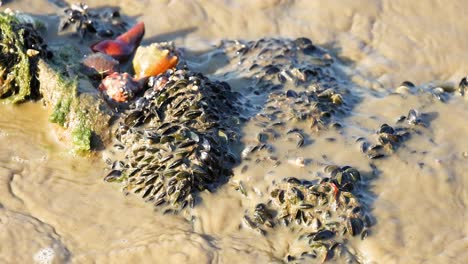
(51, 200)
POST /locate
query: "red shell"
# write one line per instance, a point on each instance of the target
(124, 45)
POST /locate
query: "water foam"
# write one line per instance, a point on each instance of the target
(44, 256)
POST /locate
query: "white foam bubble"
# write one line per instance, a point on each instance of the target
(44, 256)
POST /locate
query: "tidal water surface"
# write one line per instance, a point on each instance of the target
(55, 207)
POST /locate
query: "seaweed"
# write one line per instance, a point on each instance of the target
(61, 110)
(64, 105)
(15, 64)
(68, 108)
(21, 46)
(81, 137)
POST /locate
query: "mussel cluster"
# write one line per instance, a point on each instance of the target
(328, 210)
(315, 108)
(293, 88)
(390, 138)
(274, 63)
(104, 23)
(175, 140)
(285, 111)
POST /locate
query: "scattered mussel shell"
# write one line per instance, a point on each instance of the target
(113, 175)
(408, 84)
(336, 99)
(153, 60)
(386, 129)
(291, 94)
(413, 118)
(323, 235)
(463, 86)
(405, 87)
(331, 169)
(354, 226)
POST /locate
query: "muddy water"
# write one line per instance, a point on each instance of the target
(55, 207)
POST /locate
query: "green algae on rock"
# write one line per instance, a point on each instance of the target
(60, 112)
(75, 102)
(81, 137)
(18, 59)
(27, 73)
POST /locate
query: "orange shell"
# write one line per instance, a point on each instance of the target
(152, 61)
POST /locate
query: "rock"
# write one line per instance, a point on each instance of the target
(73, 101)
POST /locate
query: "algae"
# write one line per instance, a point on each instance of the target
(75, 102)
(31, 70)
(81, 137)
(16, 79)
(61, 110)
(68, 107)
(63, 106)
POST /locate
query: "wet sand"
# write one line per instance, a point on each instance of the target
(55, 204)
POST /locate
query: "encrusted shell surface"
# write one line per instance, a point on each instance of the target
(119, 87)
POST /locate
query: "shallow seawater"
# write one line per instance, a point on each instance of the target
(56, 208)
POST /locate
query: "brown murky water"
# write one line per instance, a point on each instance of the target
(55, 208)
